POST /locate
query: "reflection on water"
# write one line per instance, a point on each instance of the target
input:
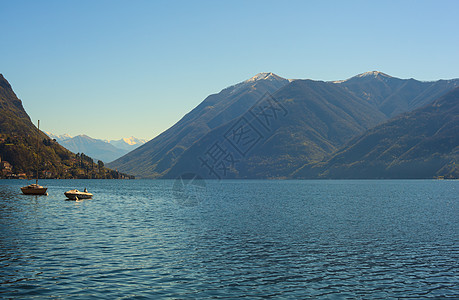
(255, 239)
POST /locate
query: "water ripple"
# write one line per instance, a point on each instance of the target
(247, 239)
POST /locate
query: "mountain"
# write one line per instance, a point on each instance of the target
(393, 96)
(21, 144)
(313, 119)
(127, 144)
(420, 144)
(155, 157)
(19, 137)
(97, 149)
(302, 122)
(11, 107)
(58, 138)
(105, 150)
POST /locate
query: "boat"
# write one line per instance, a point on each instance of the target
(35, 188)
(77, 195)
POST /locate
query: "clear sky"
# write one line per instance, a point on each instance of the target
(112, 69)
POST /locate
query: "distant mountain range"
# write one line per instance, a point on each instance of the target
(127, 144)
(271, 127)
(104, 150)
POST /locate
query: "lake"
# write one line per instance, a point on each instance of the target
(335, 239)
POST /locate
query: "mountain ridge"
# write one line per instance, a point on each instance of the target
(423, 143)
(104, 150)
(321, 115)
(376, 97)
(299, 126)
(393, 95)
(153, 158)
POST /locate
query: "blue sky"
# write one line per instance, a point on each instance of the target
(112, 69)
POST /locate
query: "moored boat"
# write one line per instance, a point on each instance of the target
(34, 189)
(77, 195)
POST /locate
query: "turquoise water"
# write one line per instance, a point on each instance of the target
(230, 239)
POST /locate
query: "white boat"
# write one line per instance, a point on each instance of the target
(34, 189)
(77, 195)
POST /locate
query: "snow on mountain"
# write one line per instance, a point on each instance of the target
(370, 74)
(106, 150)
(127, 143)
(265, 76)
(134, 141)
(59, 138)
(373, 73)
(95, 148)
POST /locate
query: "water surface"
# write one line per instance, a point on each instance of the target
(230, 239)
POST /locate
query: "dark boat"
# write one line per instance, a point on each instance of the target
(35, 188)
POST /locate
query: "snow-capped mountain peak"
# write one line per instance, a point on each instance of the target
(265, 76)
(106, 150)
(58, 138)
(373, 73)
(127, 143)
(133, 141)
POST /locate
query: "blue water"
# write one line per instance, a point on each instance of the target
(231, 239)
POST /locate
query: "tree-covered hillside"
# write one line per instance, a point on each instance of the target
(420, 144)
